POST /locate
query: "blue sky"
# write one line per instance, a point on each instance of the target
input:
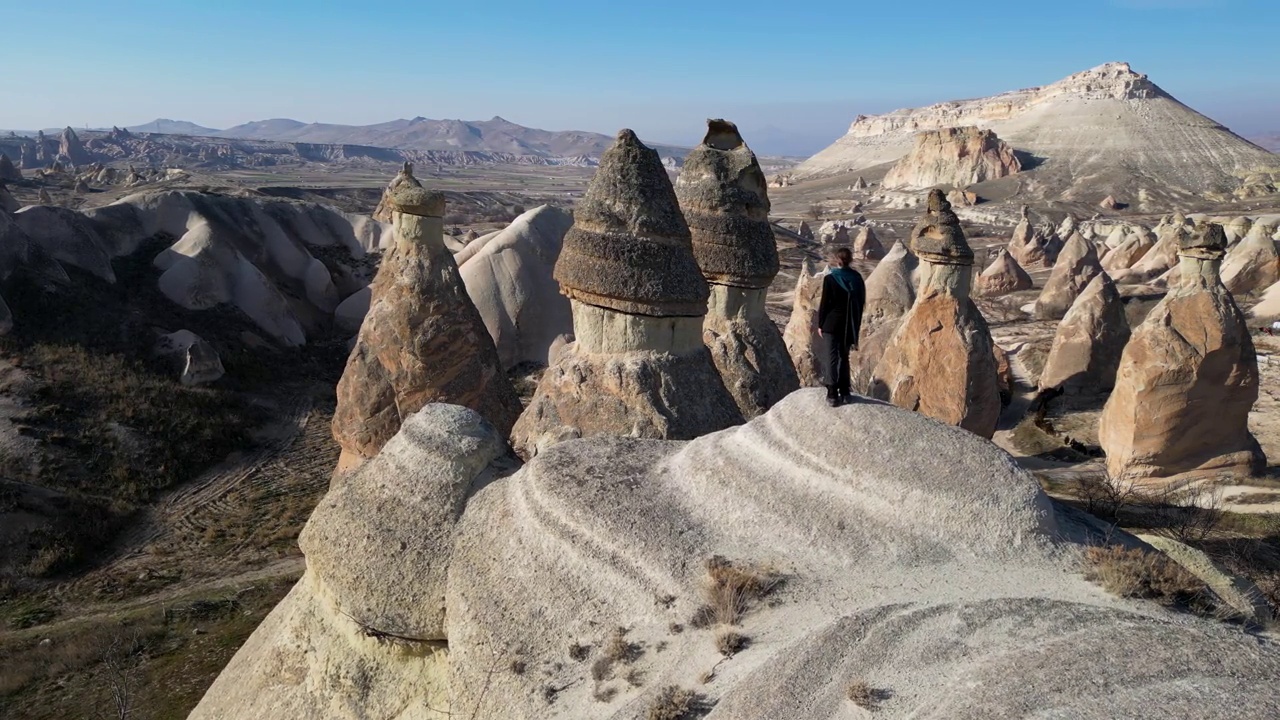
(792, 74)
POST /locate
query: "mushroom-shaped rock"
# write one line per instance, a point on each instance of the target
(638, 366)
(1068, 226)
(422, 341)
(1253, 264)
(1187, 380)
(1237, 229)
(383, 212)
(940, 360)
(722, 192)
(1077, 265)
(1086, 349)
(866, 246)
(1003, 276)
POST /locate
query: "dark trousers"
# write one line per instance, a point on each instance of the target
(838, 346)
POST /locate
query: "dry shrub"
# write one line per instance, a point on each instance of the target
(1137, 573)
(616, 650)
(861, 693)
(1102, 497)
(730, 643)
(676, 703)
(731, 590)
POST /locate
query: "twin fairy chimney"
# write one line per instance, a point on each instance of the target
(1187, 379)
(422, 341)
(940, 361)
(722, 193)
(638, 366)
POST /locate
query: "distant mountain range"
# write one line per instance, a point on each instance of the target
(1270, 141)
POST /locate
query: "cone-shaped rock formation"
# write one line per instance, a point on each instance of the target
(1077, 264)
(1003, 276)
(941, 361)
(1187, 380)
(9, 173)
(1086, 349)
(800, 334)
(638, 366)
(1253, 264)
(722, 192)
(422, 341)
(866, 246)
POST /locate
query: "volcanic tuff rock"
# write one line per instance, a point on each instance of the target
(940, 360)
(629, 249)
(382, 213)
(928, 543)
(197, 359)
(422, 342)
(638, 366)
(805, 231)
(1077, 264)
(70, 147)
(1090, 339)
(1187, 380)
(1253, 264)
(1105, 130)
(866, 246)
(1132, 248)
(8, 203)
(1003, 276)
(800, 335)
(9, 173)
(1031, 247)
(1162, 256)
(723, 195)
(508, 276)
(956, 156)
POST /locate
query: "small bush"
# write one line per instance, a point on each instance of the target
(730, 643)
(1136, 573)
(730, 591)
(676, 703)
(861, 693)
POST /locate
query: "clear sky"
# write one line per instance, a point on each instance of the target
(792, 73)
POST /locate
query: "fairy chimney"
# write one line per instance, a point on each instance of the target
(1187, 380)
(386, 206)
(800, 335)
(422, 341)
(722, 192)
(941, 360)
(1090, 339)
(866, 246)
(638, 366)
(1077, 264)
(1003, 276)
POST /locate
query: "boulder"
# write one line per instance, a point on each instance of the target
(957, 156)
(638, 366)
(509, 278)
(940, 360)
(423, 341)
(1187, 380)
(723, 195)
(866, 246)
(1077, 264)
(962, 198)
(1253, 264)
(1087, 346)
(1003, 276)
(198, 360)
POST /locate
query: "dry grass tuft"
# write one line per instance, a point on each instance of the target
(675, 703)
(616, 650)
(730, 643)
(731, 590)
(1136, 573)
(579, 652)
(861, 693)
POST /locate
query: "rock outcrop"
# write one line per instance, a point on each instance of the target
(1090, 339)
(914, 555)
(940, 361)
(71, 148)
(509, 277)
(866, 246)
(1003, 276)
(8, 203)
(1187, 380)
(956, 156)
(1109, 203)
(1253, 264)
(423, 340)
(638, 366)
(805, 231)
(800, 335)
(9, 173)
(1031, 247)
(1076, 266)
(723, 195)
(197, 360)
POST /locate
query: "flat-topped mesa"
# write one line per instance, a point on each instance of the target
(941, 359)
(422, 341)
(1187, 380)
(722, 192)
(638, 365)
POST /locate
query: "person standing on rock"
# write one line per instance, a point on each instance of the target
(840, 321)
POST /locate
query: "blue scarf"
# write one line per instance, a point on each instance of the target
(845, 278)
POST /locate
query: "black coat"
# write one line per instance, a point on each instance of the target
(840, 311)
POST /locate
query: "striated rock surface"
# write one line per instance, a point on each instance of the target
(1090, 339)
(423, 341)
(1187, 380)
(638, 366)
(722, 193)
(1253, 264)
(940, 360)
(508, 276)
(1003, 276)
(956, 156)
(1076, 266)
(928, 546)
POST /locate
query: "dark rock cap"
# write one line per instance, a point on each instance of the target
(413, 199)
(722, 192)
(1206, 240)
(938, 238)
(629, 248)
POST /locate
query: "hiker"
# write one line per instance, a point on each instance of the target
(839, 322)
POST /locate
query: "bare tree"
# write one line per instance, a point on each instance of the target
(816, 211)
(120, 671)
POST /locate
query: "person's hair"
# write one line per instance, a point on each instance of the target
(843, 256)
